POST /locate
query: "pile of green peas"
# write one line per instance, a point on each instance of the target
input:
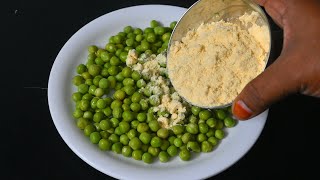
(124, 122)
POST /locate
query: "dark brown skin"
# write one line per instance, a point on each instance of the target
(297, 69)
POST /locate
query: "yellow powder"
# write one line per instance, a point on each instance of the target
(213, 63)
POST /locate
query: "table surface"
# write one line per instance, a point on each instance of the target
(35, 31)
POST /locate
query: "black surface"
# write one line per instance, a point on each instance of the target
(35, 31)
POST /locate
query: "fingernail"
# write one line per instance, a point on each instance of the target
(241, 110)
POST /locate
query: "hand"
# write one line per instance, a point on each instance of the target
(297, 69)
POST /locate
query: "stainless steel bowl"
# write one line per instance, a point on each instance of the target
(206, 11)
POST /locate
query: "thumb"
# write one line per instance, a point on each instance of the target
(276, 82)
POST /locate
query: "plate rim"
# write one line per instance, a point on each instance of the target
(73, 148)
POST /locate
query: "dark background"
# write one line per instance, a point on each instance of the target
(33, 34)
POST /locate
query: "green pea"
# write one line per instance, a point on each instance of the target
(129, 90)
(104, 134)
(119, 94)
(128, 81)
(77, 80)
(126, 151)
(163, 133)
(105, 56)
(229, 122)
(201, 137)
(107, 64)
(92, 49)
(81, 68)
(193, 146)
(114, 122)
(154, 23)
(105, 124)
(219, 134)
(111, 130)
(173, 24)
(206, 146)
(117, 147)
(185, 155)
(127, 116)
(165, 144)
(89, 129)
(137, 31)
(77, 96)
(163, 156)
(126, 107)
(94, 69)
(142, 127)
(171, 139)
(210, 133)
(203, 128)
(211, 122)
(99, 92)
(137, 154)
(154, 151)
(113, 70)
(111, 47)
(154, 100)
(205, 114)
(105, 144)
(151, 37)
(172, 150)
(220, 124)
(142, 117)
(82, 123)
(83, 88)
(92, 89)
(213, 140)
(135, 143)
(124, 139)
(123, 56)
(77, 113)
(124, 126)
(135, 107)
(116, 104)
(148, 30)
(132, 133)
(166, 36)
(145, 137)
(93, 102)
(178, 129)
(155, 142)
(99, 61)
(119, 77)
(221, 114)
(114, 138)
(178, 142)
(88, 115)
(159, 30)
(195, 110)
(139, 38)
(187, 137)
(118, 86)
(154, 125)
(86, 75)
(192, 128)
(98, 116)
(84, 105)
(101, 104)
(95, 137)
(107, 111)
(89, 82)
(141, 83)
(96, 80)
(144, 104)
(115, 61)
(147, 157)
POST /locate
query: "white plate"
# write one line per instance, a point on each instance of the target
(236, 144)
